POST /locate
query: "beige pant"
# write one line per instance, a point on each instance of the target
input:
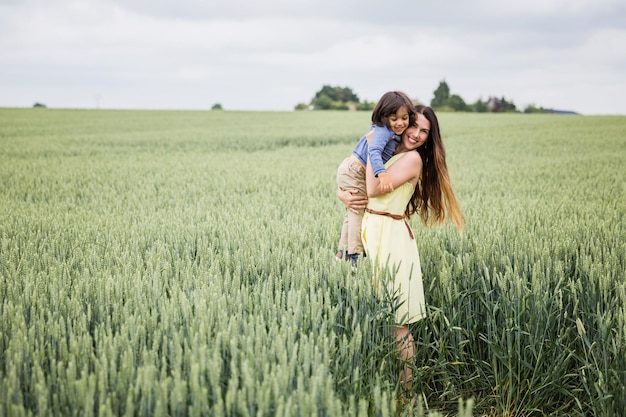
(351, 177)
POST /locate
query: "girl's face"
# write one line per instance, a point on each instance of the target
(399, 121)
(416, 135)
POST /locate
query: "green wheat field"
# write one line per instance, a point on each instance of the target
(180, 263)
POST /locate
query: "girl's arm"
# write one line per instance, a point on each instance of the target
(377, 139)
(408, 168)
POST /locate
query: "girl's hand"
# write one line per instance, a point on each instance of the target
(384, 183)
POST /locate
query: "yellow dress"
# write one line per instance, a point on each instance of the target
(390, 245)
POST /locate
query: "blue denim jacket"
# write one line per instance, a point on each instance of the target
(381, 149)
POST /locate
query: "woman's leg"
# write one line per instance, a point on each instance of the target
(406, 348)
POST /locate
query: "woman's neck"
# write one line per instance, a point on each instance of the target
(400, 148)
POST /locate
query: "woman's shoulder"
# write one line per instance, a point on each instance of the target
(410, 162)
(411, 156)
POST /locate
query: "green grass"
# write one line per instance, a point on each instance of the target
(180, 263)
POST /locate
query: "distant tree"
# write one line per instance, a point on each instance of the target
(39, 105)
(507, 106)
(480, 106)
(444, 101)
(322, 102)
(217, 106)
(342, 94)
(339, 105)
(532, 109)
(334, 98)
(337, 98)
(366, 105)
(498, 105)
(457, 103)
(442, 95)
(493, 103)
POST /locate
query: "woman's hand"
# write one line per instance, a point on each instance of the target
(353, 201)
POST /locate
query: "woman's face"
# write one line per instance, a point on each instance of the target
(416, 135)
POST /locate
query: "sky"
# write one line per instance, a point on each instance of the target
(275, 54)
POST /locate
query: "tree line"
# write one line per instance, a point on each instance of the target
(343, 98)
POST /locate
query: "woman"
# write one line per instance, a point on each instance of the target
(421, 184)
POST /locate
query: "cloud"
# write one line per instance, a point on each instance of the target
(555, 8)
(275, 54)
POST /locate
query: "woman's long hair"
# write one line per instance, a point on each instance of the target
(433, 197)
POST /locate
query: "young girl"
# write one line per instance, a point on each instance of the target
(393, 113)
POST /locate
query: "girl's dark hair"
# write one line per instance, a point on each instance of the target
(389, 104)
(433, 197)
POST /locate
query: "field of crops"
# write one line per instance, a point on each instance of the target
(181, 264)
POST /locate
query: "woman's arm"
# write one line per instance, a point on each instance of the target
(406, 169)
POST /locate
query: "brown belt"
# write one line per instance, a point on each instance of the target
(393, 216)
